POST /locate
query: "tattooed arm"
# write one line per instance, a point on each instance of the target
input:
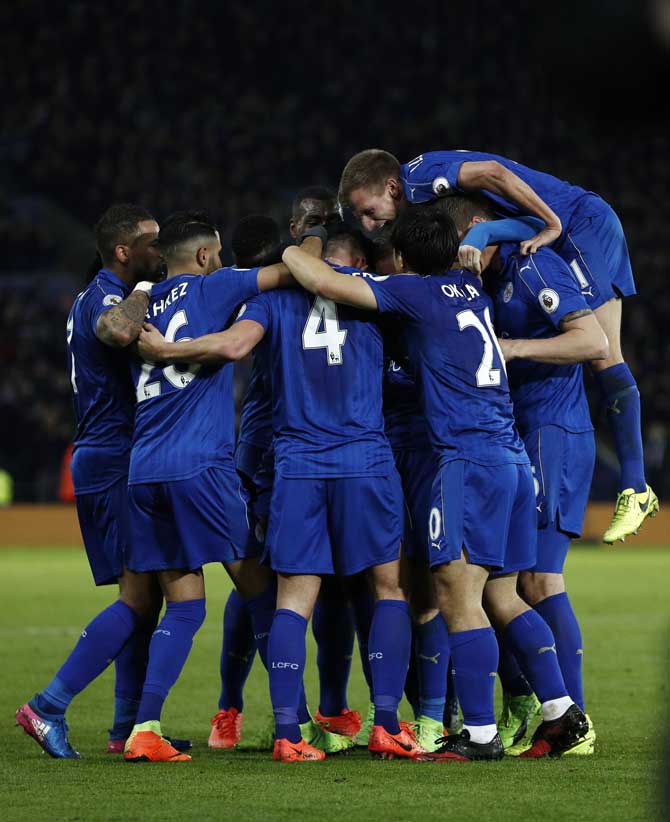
(120, 326)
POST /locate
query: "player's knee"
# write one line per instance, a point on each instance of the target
(538, 586)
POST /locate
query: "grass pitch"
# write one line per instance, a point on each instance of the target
(47, 597)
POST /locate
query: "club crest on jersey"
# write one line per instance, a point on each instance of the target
(112, 299)
(440, 186)
(507, 293)
(549, 300)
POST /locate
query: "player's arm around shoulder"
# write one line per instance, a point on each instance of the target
(278, 274)
(210, 349)
(120, 325)
(316, 276)
(490, 175)
(580, 337)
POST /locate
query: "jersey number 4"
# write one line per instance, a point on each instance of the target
(176, 377)
(322, 330)
(487, 376)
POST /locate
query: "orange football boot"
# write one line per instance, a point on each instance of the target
(285, 751)
(226, 729)
(385, 745)
(347, 723)
(147, 746)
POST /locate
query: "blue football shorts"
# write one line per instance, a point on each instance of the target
(563, 465)
(594, 246)
(417, 469)
(486, 511)
(327, 526)
(185, 524)
(104, 524)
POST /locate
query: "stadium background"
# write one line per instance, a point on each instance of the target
(235, 108)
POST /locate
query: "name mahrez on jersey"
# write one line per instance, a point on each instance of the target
(160, 305)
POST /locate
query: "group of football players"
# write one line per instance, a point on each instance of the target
(414, 457)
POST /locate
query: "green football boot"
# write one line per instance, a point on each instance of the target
(630, 512)
(363, 736)
(517, 713)
(428, 733)
(324, 740)
(586, 745)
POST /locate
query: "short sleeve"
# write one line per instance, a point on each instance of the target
(551, 282)
(258, 309)
(227, 288)
(398, 294)
(101, 298)
(432, 175)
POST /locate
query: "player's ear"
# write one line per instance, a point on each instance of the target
(398, 261)
(293, 230)
(360, 262)
(202, 257)
(121, 254)
(394, 188)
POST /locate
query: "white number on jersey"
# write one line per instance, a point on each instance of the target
(323, 314)
(180, 379)
(486, 375)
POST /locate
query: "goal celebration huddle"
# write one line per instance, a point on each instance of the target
(414, 456)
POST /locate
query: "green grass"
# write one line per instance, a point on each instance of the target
(47, 596)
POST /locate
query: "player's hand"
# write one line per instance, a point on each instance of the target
(544, 237)
(151, 343)
(471, 258)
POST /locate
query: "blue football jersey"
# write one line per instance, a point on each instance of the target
(104, 402)
(256, 411)
(425, 173)
(457, 363)
(533, 294)
(404, 419)
(185, 419)
(326, 364)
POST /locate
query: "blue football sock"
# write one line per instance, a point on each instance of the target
(534, 646)
(168, 651)
(432, 660)
(100, 642)
(511, 676)
(130, 668)
(261, 610)
(388, 650)
(474, 658)
(237, 652)
(622, 401)
(363, 604)
(557, 612)
(412, 687)
(286, 657)
(333, 628)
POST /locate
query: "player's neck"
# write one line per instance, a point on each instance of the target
(182, 269)
(123, 274)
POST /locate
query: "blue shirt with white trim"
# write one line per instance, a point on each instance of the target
(436, 173)
(103, 398)
(533, 295)
(185, 420)
(326, 364)
(457, 363)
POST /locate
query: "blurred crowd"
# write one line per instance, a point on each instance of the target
(235, 108)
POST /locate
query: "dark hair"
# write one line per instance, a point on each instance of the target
(320, 193)
(255, 241)
(182, 227)
(427, 239)
(93, 269)
(118, 225)
(366, 169)
(355, 241)
(461, 208)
